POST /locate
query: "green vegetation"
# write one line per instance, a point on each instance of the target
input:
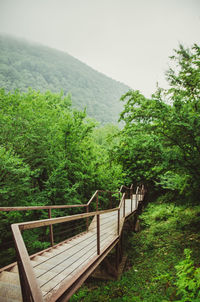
(24, 64)
(49, 156)
(160, 146)
(157, 270)
(51, 153)
(188, 282)
(160, 143)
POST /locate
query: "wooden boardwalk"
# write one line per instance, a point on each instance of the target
(68, 264)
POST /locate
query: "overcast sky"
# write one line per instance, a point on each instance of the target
(128, 40)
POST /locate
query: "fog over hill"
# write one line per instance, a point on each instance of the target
(25, 64)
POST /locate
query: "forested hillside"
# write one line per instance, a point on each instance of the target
(24, 64)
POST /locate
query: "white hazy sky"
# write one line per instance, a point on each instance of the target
(128, 40)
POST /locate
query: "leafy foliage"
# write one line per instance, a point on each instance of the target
(160, 142)
(49, 155)
(188, 282)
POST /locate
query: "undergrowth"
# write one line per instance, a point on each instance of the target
(163, 260)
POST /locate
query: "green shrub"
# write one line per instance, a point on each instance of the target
(188, 282)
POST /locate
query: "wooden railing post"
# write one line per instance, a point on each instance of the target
(51, 229)
(98, 235)
(97, 199)
(124, 206)
(136, 196)
(26, 295)
(87, 219)
(142, 190)
(110, 199)
(118, 222)
(131, 196)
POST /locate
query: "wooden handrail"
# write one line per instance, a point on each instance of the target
(93, 196)
(47, 222)
(123, 186)
(7, 209)
(107, 191)
(122, 199)
(49, 208)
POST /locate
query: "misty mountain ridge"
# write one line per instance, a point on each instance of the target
(25, 64)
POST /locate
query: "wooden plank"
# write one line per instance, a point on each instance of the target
(82, 276)
(46, 267)
(81, 258)
(66, 274)
(46, 222)
(98, 235)
(10, 291)
(10, 277)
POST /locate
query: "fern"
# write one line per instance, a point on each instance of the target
(188, 282)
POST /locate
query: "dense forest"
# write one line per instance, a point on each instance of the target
(54, 154)
(24, 64)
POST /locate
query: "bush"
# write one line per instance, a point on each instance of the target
(188, 281)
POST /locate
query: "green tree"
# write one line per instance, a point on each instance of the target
(160, 141)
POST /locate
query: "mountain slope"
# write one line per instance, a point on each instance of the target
(24, 64)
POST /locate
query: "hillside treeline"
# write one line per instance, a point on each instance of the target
(24, 64)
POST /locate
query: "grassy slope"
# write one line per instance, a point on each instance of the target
(153, 253)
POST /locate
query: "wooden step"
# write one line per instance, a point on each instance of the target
(39, 258)
(14, 269)
(9, 277)
(10, 291)
(7, 299)
(50, 260)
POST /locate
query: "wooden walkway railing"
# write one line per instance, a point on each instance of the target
(57, 272)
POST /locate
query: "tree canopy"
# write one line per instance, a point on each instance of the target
(49, 155)
(160, 142)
